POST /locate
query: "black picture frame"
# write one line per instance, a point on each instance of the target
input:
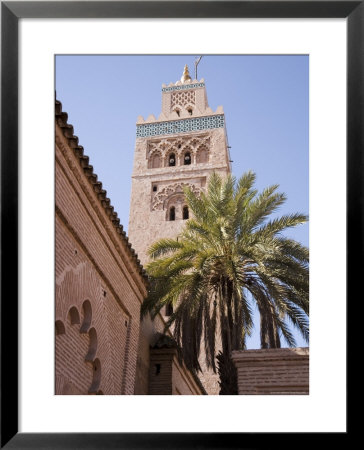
(11, 12)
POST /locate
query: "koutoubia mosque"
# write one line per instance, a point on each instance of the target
(102, 346)
(182, 147)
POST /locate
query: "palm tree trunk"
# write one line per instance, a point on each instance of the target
(229, 304)
(263, 328)
(227, 372)
(228, 375)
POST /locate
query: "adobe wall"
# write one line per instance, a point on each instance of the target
(276, 371)
(147, 333)
(168, 377)
(100, 285)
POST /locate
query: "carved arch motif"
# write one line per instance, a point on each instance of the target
(155, 160)
(62, 342)
(202, 154)
(79, 299)
(161, 199)
(159, 150)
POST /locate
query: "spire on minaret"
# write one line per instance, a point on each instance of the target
(186, 75)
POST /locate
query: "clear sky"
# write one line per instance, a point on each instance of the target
(265, 100)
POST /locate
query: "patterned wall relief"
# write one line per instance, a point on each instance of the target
(172, 193)
(160, 151)
(183, 98)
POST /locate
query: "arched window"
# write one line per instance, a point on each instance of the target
(189, 110)
(185, 212)
(178, 111)
(187, 159)
(172, 213)
(172, 160)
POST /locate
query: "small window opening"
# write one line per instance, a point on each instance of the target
(172, 213)
(157, 369)
(178, 112)
(187, 159)
(172, 160)
(189, 110)
(154, 188)
(169, 309)
(185, 212)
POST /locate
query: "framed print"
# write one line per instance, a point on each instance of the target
(122, 27)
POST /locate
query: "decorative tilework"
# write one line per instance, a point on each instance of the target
(182, 87)
(180, 126)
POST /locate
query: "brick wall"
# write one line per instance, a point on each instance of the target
(99, 283)
(148, 331)
(160, 372)
(272, 371)
(168, 377)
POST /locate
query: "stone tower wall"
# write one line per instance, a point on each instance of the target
(153, 189)
(186, 127)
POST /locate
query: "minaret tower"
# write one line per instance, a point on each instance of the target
(182, 147)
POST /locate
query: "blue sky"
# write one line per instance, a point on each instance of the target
(265, 100)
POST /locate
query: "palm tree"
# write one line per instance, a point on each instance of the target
(229, 257)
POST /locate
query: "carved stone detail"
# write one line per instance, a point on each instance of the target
(160, 199)
(183, 98)
(178, 146)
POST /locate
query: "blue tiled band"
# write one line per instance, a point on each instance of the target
(180, 126)
(183, 87)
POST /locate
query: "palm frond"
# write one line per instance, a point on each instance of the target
(228, 258)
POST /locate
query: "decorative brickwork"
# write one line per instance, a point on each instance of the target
(159, 151)
(160, 200)
(100, 283)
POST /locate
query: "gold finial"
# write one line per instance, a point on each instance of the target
(186, 76)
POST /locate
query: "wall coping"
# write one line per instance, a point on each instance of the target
(270, 354)
(68, 133)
